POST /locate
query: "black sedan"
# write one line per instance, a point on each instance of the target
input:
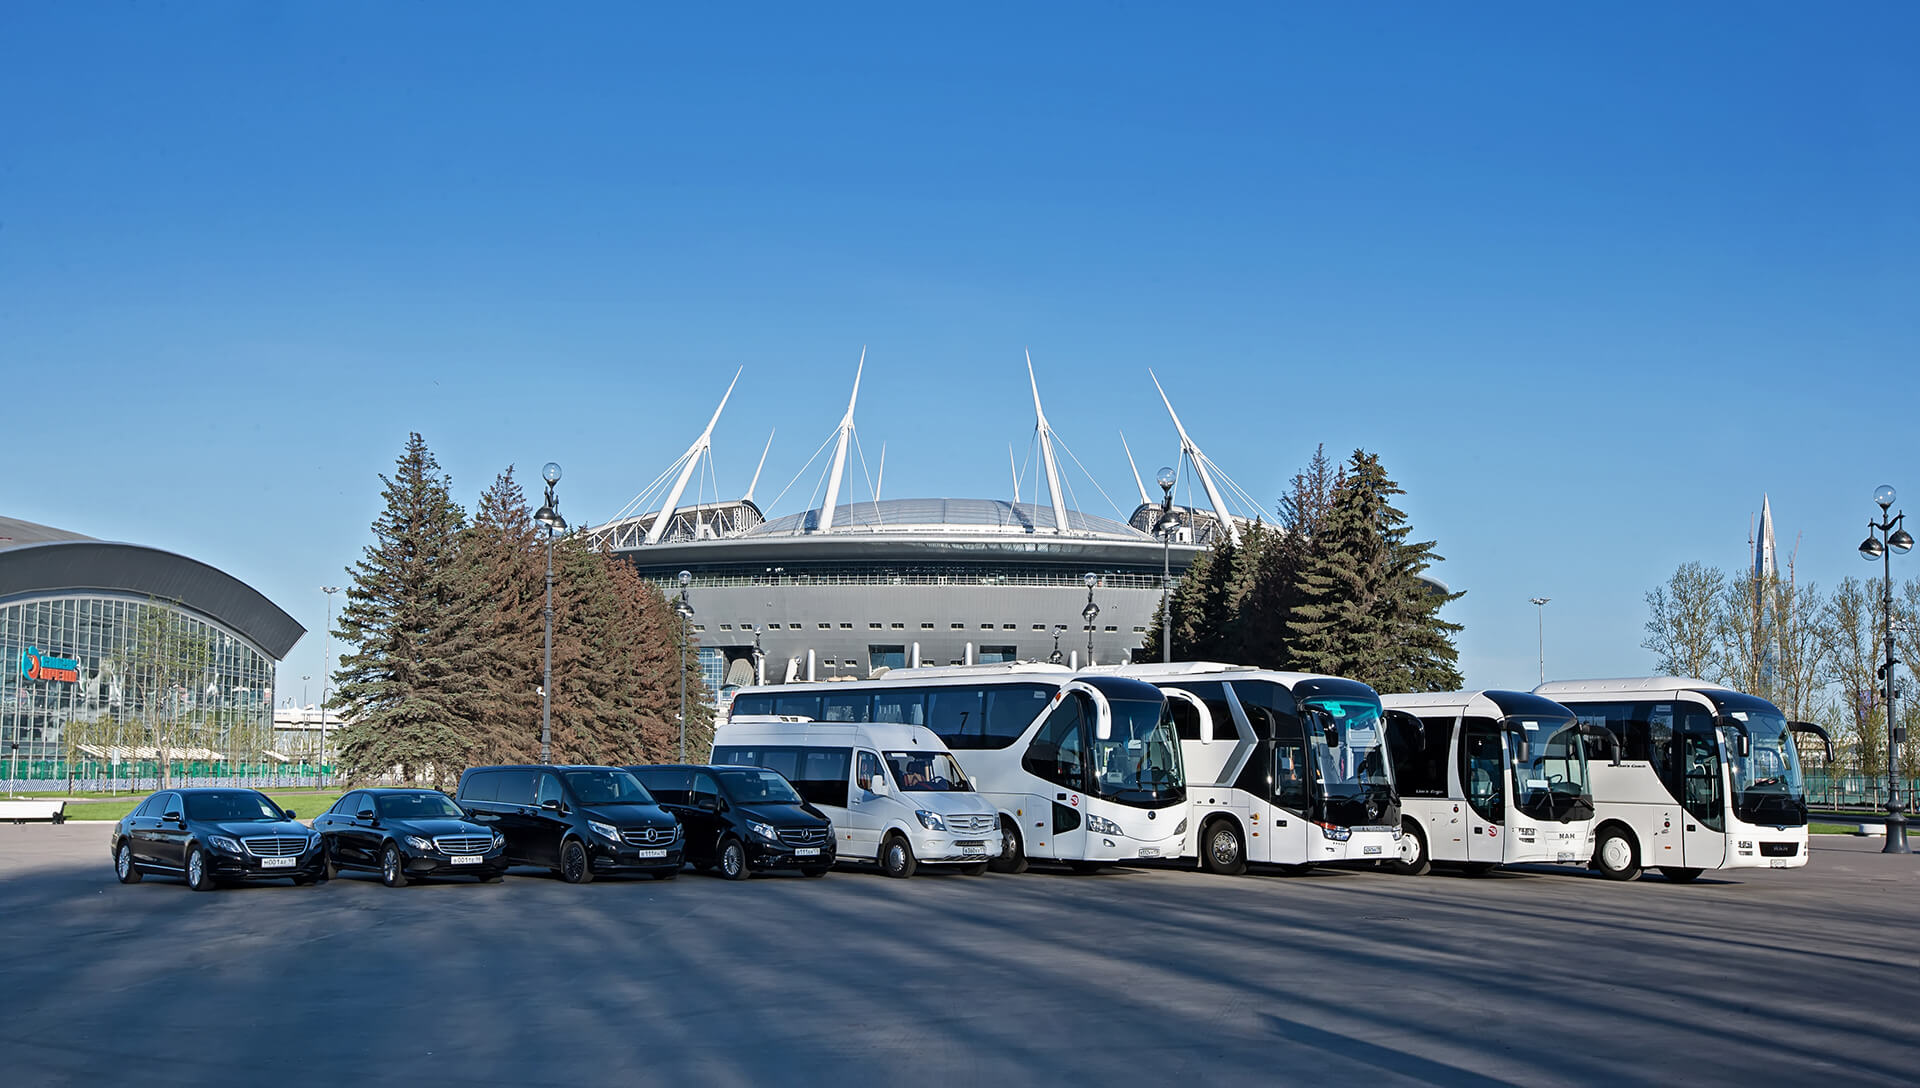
(405, 834)
(215, 836)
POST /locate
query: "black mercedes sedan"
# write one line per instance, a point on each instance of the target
(407, 834)
(213, 837)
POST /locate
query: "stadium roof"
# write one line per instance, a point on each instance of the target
(962, 516)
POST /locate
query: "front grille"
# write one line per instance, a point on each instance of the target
(274, 846)
(1779, 849)
(971, 825)
(647, 836)
(804, 836)
(464, 844)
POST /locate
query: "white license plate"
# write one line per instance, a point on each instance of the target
(1369, 849)
(1564, 855)
(807, 852)
(652, 853)
(277, 863)
(467, 859)
(1779, 863)
(1149, 851)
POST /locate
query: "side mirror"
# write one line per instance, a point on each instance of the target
(366, 814)
(711, 804)
(1333, 736)
(878, 786)
(551, 804)
(174, 816)
(1810, 728)
(1745, 744)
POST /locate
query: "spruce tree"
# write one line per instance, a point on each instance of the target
(502, 587)
(649, 633)
(586, 654)
(401, 682)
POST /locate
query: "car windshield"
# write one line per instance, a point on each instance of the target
(1550, 768)
(607, 788)
(1767, 785)
(933, 772)
(758, 788)
(1140, 761)
(416, 806)
(1349, 745)
(237, 805)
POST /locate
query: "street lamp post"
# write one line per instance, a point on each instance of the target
(1090, 613)
(1540, 612)
(1165, 478)
(549, 516)
(326, 670)
(685, 608)
(1891, 538)
(1058, 630)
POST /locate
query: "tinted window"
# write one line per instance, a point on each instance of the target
(1482, 767)
(549, 789)
(1186, 718)
(235, 805)
(417, 806)
(1214, 694)
(341, 807)
(149, 807)
(1645, 732)
(480, 786)
(607, 788)
(1421, 769)
(869, 770)
(848, 707)
(800, 706)
(514, 787)
(756, 702)
(954, 714)
(908, 707)
(1011, 709)
(819, 775)
(758, 787)
(1055, 753)
(705, 790)
(669, 785)
(169, 804)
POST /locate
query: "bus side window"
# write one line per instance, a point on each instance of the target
(1055, 753)
(954, 714)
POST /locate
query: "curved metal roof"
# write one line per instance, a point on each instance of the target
(72, 563)
(982, 516)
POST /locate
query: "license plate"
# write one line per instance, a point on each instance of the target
(1369, 849)
(807, 852)
(277, 863)
(1564, 855)
(1779, 863)
(1149, 851)
(467, 859)
(652, 853)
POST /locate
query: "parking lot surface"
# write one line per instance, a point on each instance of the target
(1535, 977)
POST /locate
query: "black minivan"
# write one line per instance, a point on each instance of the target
(578, 821)
(739, 819)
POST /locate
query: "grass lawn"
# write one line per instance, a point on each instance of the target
(1833, 829)
(306, 804)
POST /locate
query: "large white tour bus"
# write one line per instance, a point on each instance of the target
(1283, 768)
(1708, 777)
(1491, 778)
(1083, 769)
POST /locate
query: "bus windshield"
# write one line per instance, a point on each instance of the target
(1550, 768)
(1767, 786)
(1140, 762)
(1350, 755)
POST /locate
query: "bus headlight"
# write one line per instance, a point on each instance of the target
(1181, 827)
(1100, 825)
(931, 820)
(1336, 833)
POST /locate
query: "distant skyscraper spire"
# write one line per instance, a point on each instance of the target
(1764, 566)
(1765, 570)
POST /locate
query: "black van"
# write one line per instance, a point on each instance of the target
(577, 821)
(738, 819)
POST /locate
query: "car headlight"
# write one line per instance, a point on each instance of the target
(1181, 828)
(419, 843)
(224, 844)
(1337, 834)
(605, 831)
(765, 831)
(1100, 825)
(931, 820)
(499, 840)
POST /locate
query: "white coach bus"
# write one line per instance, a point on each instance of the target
(1283, 768)
(1491, 778)
(1083, 769)
(1709, 778)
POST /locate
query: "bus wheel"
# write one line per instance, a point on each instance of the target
(1012, 859)
(1413, 860)
(1220, 844)
(1679, 876)
(1616, 855)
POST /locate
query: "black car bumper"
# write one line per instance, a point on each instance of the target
(310, 865)
(608, 858)
(491, 863)
(762, 856)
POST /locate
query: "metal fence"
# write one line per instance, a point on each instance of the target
(1845, 790)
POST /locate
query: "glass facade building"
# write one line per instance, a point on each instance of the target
(114, 657)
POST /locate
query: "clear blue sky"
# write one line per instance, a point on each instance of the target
(1590, 281)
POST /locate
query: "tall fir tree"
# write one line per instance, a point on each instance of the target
(502, 587)
(401, 682)
(1364, 612)
(586, 651)
(649, 633)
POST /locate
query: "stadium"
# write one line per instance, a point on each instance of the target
(848, 587)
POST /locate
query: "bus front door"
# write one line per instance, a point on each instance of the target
(1483, 774)
(1703, 796)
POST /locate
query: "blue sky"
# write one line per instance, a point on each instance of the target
(1590, 281)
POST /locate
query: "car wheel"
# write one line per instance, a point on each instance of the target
(199, 876)
(815, 870)
(574, 868)
(1616, 855)
(1679, 875)
(1222, 848)
(733, 859)
(1413, 859)
(123, 866)
(978, 868)
(1013, 857)
(393, 867)
(896, 857)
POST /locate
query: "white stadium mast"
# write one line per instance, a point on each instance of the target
(1144, 501)
(690, 461)
(1046, 453)
(840, 451)
(1200, 464)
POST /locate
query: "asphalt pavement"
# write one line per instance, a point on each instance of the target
(1536, 977)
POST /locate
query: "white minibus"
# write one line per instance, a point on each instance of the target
(895, 794)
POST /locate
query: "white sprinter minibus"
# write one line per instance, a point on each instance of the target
(895, 794)
(1083, 769)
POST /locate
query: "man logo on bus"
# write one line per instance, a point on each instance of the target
(37, 666)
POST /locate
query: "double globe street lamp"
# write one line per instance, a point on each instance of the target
(1165, 478)
(549, 516)
(1884, 537)
(685, 609)
(1090, 613)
